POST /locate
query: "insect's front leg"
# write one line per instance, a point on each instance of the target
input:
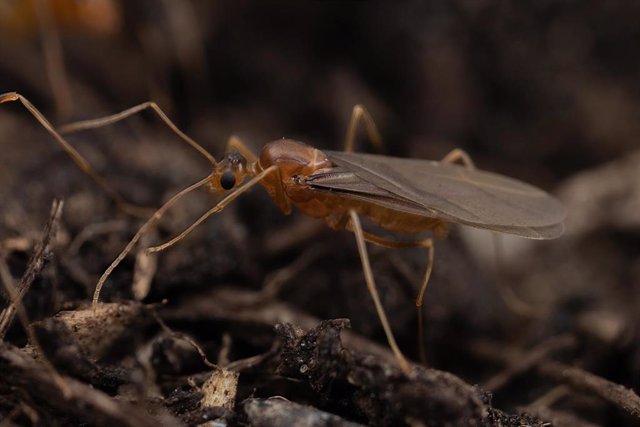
(361, 114)
(77, 158)
(157, 215)
(217, 208)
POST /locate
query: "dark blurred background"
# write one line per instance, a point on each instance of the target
(545, 91)
(538, 88)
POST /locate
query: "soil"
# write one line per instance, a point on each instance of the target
(263, 319)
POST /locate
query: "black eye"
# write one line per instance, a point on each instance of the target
(227, 180)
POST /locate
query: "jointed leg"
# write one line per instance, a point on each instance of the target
(511, 300)
(394, 244)
(217, 208)
(149, 223)
(371, 285)
(114, 118)
(360, 113)
(459, 155)
(77, 158)
(158, 214)
(509, 297)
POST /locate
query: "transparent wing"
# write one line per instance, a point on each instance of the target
(444, 191)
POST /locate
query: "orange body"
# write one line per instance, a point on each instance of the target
(296, 160)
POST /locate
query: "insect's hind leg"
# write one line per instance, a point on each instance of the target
(371, 286)
(511, 300)
(359, 114)
(395, 244)
(77, 158)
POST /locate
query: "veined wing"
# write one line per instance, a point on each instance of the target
(444, 191)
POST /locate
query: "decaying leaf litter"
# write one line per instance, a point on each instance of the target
(580, 286)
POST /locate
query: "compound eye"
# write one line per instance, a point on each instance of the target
(227, 180)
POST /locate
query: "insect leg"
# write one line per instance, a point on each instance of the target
(395, 244)
(77, 158)
(459, 155)
(360, 113)
(371, 285)
(114, 118)
(217, 208)
(511, 300)
(148, 224)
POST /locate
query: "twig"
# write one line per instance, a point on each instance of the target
(225, 348)
(36, 264)
(186, 338)
(238, 305)
(581, 380)
(530, 360)
(578, 379)
(252, 361)
(94, 230)
(85, 402)
(550, 398)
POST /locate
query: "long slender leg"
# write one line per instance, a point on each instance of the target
(158, 214)
(77, 158)
(371, 285)
(361, 114)
(149, 223)
(511, 300)
(394, 244)
(428, 245)
(114, 118)
(509, 297)
(217, 208)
